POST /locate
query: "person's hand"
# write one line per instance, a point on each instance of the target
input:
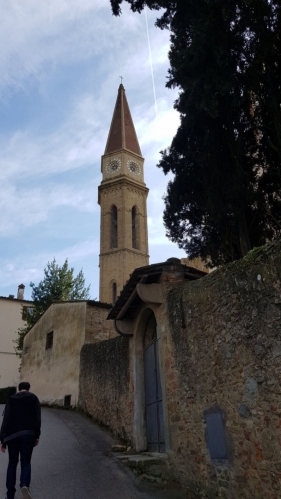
(3, 448)
(36, 442)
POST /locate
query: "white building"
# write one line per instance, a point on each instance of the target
(11, 318)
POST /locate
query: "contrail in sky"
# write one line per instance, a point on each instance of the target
(151, 65)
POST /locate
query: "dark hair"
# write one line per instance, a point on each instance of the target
(24, 385)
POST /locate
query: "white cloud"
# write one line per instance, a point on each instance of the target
(32, 267)
(74, 143)
(33, 34)
(159, 130)
(22, 208)
(37, 37)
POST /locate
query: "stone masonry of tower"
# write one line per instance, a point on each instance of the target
(122, 198)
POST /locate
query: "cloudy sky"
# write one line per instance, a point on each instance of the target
(60, 63)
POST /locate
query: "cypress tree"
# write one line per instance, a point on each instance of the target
(224, 198)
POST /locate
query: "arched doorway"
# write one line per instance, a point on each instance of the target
(153, 389)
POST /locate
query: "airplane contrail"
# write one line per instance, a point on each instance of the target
(151, 65)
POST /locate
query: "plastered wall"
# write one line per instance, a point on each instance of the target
(10, 322)
(54, 372)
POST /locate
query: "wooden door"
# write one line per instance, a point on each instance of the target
(153, 399)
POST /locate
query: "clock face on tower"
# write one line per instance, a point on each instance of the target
(113, 165)
(133, 167)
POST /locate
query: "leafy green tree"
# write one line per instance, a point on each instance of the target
(225, 58)
(59, 284)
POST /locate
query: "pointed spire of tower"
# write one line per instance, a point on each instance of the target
(122, 134)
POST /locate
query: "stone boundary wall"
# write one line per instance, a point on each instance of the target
(97, 328)
(222, 356)
(106, 391)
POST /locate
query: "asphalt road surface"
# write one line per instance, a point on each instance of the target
(72, 461)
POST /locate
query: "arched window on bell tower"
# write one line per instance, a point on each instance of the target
(135, 239)
(114, 292)
(113, 227)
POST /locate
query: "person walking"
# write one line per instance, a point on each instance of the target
(20, 431)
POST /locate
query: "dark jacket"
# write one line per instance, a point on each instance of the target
(22, 416)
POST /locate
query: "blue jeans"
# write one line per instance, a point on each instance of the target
(22, 446)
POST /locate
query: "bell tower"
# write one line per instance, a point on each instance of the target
(122, 198)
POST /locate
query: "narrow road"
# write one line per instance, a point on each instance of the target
(72, 462)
